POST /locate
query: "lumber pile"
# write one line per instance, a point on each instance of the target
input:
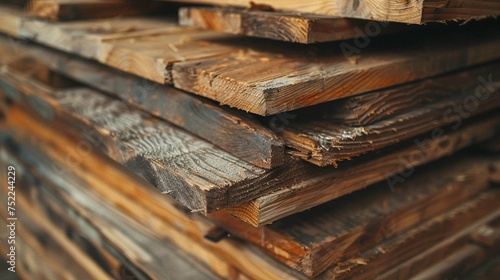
(137, 144)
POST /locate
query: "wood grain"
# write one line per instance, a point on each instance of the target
(83, 9)
(312, 241)
(265, 77)
(453, 257)
(283, 26)
(324, 142)
(394, 165)
(114, 185)
(374, 262)
(198, 174)
(147, 256)
(272, 79)
(233, 131)
(382, 10)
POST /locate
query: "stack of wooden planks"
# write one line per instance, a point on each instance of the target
(143, 145)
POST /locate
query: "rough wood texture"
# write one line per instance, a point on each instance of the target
(271, 79)
(451, 258)
(394, 165)
(374, 262)
(233, 131)
(412, 11)
(291, 27)
(65, 259)
(198, 174)
(312, 241)
(137, 199)
(369, 108)
(82, 9)
(52, 194)
(265, 77)
(324, 142)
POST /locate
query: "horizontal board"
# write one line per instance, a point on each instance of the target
(394, 165)
(374, 262)
(314, 240)
(282, 26)
(265, 77)
(233, 131)
(382, 10)
(198, 174)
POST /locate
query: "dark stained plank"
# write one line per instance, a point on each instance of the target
(201, 176)
(314, 240)
(233, 131)
(283, 26)
(489, 270)
(376, 261)
(82, 9)
(416, 12)
(394, 165)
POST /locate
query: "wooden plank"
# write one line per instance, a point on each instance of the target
(451, 258)
(59, 253)
(199, 175)
(324, 142)
(83, 9)
(231, 130)
(272, 79)
(153, 258)
(283, 26)
(138, 199)
(489, 270)
(266, 77)
(369, 108)
(143, 46)
(394, 165)
(314, 240)
(381, 258)
(381, 10)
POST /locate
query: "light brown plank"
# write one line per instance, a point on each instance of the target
(283, 26)
(383, 10)
(270, 79)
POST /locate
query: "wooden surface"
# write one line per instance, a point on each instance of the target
(265, 77)
(198, 174)
(314, 240)
(373, 107)
(382, 10)
(272, 79)
(324, 142)
(233, 131)
(81, 9)
(393, 165)
(374, 262)
(48, 195)
(137, 199)
(453, 257)
(290, 27)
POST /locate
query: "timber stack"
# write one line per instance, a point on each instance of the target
(214, 139)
